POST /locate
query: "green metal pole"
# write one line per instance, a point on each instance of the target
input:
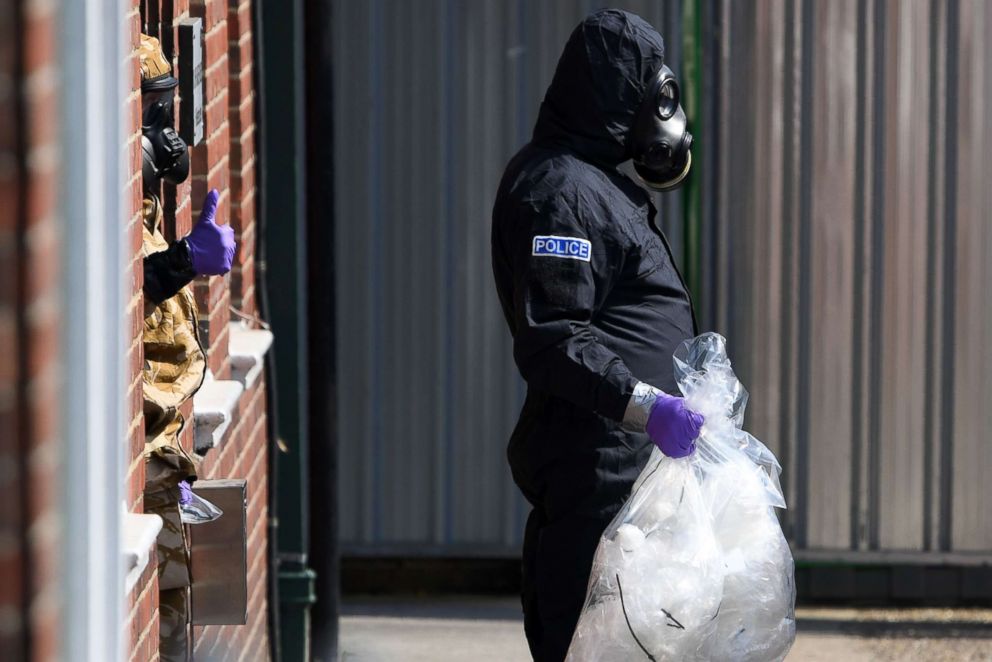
(322, 324)
(283, 150)
(692, 64)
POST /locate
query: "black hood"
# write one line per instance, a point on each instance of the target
(599, 84)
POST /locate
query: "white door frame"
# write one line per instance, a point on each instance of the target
(93, 86)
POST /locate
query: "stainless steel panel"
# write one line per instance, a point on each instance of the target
(219, 556)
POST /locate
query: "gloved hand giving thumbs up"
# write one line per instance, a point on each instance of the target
(211, 246)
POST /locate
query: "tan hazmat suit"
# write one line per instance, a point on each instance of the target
(173, 371)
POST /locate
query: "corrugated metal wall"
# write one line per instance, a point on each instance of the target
(433, 98)
(850, 278)
(845, 251)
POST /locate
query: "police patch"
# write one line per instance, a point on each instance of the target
(571, 248)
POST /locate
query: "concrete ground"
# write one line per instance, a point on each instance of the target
(440, 629)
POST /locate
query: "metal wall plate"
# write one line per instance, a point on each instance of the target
(219, 551)
(190, 77)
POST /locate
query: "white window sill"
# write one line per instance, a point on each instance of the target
(139, 533)
(213, 410)
(247, 349)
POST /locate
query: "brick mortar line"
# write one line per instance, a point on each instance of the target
(44, 528)
(135, 464)
(258, 456)
(221, 93)
(40, 384)
(46, 307)
(245, 197)
(222, 60)
(46, 601)
(142, 588)
(143, 635)
(41, 80)
(143, 591)
(244, 36)
(43, 158)
(234, 79)
(255, 533)
(251, 645)
(39, 9)
(44, 455)
(206, 178)
(237, 172)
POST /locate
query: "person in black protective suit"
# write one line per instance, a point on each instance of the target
(595, 305)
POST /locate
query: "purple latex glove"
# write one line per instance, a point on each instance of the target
(185, 492)
(211, 246)
(673, 427)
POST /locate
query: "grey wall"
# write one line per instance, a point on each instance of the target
(850, 278)
(846, 252)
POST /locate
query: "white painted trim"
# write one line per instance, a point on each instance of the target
(214, 406)
(139, 533)
(93, 93)
(247, 348)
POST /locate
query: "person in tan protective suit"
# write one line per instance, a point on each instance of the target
(175, 364)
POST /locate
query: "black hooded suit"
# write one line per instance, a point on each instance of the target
(595, 304)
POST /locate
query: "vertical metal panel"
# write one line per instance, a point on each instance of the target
(850, 259)
(970, 267)
(903, 275)
(831, 273)
(861, 405)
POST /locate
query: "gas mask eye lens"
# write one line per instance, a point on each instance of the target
(668, 99)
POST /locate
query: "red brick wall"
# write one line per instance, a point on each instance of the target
(142, 615)
(241, 112)
(224, 160)
(243, 455)
(30, 306)
(135, 305)
(29, 332)
(212, 169)
(141, 625)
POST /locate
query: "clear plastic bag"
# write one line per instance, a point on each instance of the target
(695, 566)
(198, 510)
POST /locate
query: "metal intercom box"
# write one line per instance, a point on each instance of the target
(219, 556)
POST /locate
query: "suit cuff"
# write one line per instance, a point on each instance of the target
(635, 418)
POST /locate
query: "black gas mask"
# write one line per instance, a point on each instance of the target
(164, 155)
(660, 141)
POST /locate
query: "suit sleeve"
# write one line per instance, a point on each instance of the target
(555, 300)
(167, 272)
